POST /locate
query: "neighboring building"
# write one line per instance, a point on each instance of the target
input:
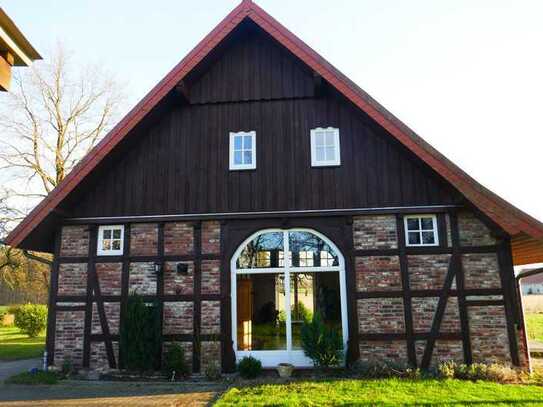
(533, 284)
(258, 165)
(15, 50)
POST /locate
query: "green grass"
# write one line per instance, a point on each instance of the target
(15, 345)
(534, 326)
(385, 392)
(40, 377)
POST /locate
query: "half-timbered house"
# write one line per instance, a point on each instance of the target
(256, 185)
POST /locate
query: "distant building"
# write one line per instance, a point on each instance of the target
(532, 284)
(15, 50)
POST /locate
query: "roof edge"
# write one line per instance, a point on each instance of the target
(489, 203)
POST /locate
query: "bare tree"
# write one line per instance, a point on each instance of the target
(52, 118)
(54, 115)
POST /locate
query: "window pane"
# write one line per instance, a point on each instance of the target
(238, 157)
(247, 142)
(319, 139)
(116, 245)
(261, 318)
(428, 238)
(330, 153)
(107, 234)
(271, 242)
(414, 237)
(412, 224)
(312, 293)
(247, 157)
(117, 234)
(330, 138)
(308, 245)
(237, 142)
(320, 154)
(106, 245)
(427, 223)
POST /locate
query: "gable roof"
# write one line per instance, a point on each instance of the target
(512, 220)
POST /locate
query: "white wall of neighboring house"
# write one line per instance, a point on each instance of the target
(531, 288)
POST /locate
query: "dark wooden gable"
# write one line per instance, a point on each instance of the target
(179, 164)
(250, 65)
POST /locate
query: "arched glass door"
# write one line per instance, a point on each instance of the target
(279, 279)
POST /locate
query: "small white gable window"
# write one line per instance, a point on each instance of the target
(243, 150)
(110, 240)
(325, 149)
(421, 230)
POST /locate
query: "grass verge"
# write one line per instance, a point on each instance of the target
(15, 345)
(534, 326)
(384, 392)
(39, 377)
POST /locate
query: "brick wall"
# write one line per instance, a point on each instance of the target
(143, 239)
(178, 316)
(74, 241)
(178, 238)
(69, 337)
(378, 273)
(381, 315)
(72, 279)
(374, 232)
(383, 351)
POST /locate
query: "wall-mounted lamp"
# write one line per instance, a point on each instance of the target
(158, 268)
(182, 268)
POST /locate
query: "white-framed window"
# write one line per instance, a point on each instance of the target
(421, 230)
(325, 149)
(243, 150)
(110, 240)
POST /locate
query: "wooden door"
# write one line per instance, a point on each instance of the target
(245, 313)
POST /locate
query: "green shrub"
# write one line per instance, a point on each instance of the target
(321, 344)
(249, 367)
(477, 371)
(38, 377)
(31, 319)
(446, 370)
(213, 371)
(3, 313)
(140, 336)
(174, 363)
(299, 313)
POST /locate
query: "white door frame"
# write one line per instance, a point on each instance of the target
(271, 358)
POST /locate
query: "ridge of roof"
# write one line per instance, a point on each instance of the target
(510, 218)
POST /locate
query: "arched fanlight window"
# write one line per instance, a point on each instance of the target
(305, 249)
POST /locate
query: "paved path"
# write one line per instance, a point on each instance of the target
(98, 394)
(17, 366)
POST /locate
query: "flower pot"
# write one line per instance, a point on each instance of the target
(285, 369)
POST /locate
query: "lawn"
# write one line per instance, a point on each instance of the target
(386, 392)
(15, 345)
(534, 326)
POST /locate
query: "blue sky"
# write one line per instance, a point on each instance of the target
(465, 74)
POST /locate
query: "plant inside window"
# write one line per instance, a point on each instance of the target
(421, 230)
(110, 240)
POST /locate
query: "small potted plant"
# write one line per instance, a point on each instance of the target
(285, 369)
